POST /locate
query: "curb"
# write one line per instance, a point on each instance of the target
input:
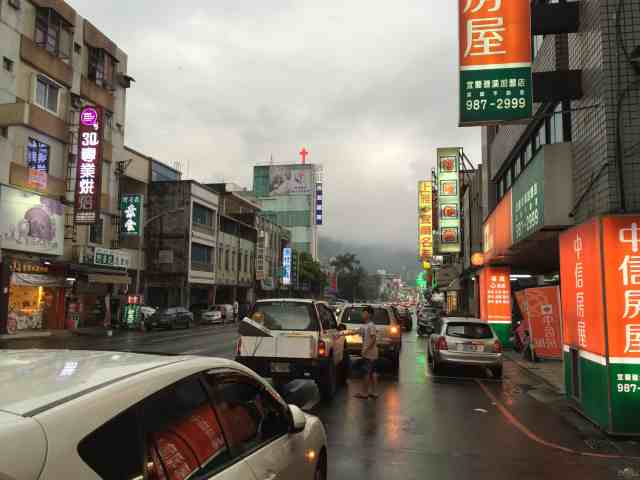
(538, 377)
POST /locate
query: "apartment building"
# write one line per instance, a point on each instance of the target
(54, 62)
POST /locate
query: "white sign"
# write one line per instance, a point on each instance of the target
(30, 222)
(111, 258)
(286, 266)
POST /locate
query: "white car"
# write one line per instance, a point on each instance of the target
(91, 415)
(212, 315)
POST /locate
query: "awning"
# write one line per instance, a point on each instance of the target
(110, 279)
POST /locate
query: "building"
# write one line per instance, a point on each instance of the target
(54, 63)
(181, 241)
(553, 189)
(288, 196)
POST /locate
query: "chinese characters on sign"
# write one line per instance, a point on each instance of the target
(449, 200)
(578, 277)
(88, 173)
(425, 219)
(286, 266)
(319, 204)
(495, 61)
(131, 207)
(110, 258)
(495, 294)
(543, 314)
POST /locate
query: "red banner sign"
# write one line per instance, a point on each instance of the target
(544, 317)
(89, 168)
(495, 294)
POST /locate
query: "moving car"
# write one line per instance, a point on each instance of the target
(305, 344)
(464, 341)
(388, 326)
(111, 415)
(213, 314)
(171, 318)
(404, 316)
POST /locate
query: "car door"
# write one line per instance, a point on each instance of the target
(331, 332)
(256, 425)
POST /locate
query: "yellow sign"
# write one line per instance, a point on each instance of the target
(426, 266)
(425, 219)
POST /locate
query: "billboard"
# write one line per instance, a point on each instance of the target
(495, 294)
(291, 179)
(495, 58)
(131, 215)
(286, 266)
(319, 204)
(449, 200)
(89, 169)
(30, 222)
(425, 219)
(544, 318)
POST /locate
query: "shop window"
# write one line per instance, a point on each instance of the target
(101, 67)
(33, 306)
(38, 155)
(96, 232)
(47, 94)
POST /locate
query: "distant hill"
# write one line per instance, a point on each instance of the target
(373, 257)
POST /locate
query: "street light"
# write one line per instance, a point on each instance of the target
(140, 238)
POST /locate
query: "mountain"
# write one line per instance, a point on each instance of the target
(373, 257)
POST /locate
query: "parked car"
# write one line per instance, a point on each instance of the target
(304, 344)
(227, 312)
(389, 338)
(213, 314)
(404, 316)
(171, 318)
(110, 415)
(464, 341)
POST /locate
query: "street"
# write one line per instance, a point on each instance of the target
(463, 424)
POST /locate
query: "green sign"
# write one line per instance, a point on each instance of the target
(449, 200)
(131, 314)
(528, 200)
(130, 214)
(111, 258)
(493, 96)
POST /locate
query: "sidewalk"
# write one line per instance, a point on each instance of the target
(550, 372)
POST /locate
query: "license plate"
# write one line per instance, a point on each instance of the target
(473, 348)
(280, 367)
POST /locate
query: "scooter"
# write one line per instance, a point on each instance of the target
(425, 327)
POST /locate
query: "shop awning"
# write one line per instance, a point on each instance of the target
(36, 280)
(110, 279)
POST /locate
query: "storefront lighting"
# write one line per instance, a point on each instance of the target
(46, 262)
(70, 279)
(518, 276)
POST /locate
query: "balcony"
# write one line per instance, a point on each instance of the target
(14, 114)
(21, 113)
(44, 61)
(19, 176)
(96, 94)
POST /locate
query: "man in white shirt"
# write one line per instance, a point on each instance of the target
(369, 336)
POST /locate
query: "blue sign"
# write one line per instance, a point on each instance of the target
(286, 266)
(319, 204)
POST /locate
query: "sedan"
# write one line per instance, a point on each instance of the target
(112, 415)
(171, 318)
(212, 315)
(465, 341)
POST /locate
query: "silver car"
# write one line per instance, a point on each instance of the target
(465, 341)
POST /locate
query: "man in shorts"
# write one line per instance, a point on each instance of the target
(369, 335)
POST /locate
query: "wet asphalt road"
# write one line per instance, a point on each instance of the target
(463, 425)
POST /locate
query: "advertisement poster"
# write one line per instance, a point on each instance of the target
(545, 321)
(291, 179)
(30, 222)
(449, 200)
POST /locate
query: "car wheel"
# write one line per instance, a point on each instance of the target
(321, 467)
(328, 382)
(497, 372)
(345, 368)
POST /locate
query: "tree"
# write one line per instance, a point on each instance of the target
(311, 273)
(345, 263)
(350, 276)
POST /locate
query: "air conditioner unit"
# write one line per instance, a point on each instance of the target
(15, 4)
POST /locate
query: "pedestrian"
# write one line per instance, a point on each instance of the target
(369, 354)
(236, 308)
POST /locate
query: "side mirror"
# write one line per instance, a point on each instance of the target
(299, 419)
(342, 327)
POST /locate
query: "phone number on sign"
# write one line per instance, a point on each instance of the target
(500, 104)
(627, 387)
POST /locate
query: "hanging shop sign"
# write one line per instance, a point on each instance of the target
(319, 204)
(89, 169)
(425, 219)
(131, 207)
(544, 318)
(449, 200)
(495, 59)
(286, 266)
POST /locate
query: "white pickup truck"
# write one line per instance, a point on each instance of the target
(303, 342)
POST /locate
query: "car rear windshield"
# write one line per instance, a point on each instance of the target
(285, 316)
(354, 315)
(469, 330)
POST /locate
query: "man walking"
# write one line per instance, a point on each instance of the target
(369, 354)
(236, 308)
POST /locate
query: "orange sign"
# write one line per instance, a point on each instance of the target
(544, 316)
(581, 287)
(495, 32)
(495, 294)
(621, 241)
(497, 230)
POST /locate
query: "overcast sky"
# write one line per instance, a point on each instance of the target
(367, 86)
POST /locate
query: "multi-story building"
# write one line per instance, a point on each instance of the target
(54, 62)
(288, 196)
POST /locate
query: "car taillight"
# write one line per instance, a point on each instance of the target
(394, 330)
(441, 344)
(497, 347)
(322, 349)
(239, 346)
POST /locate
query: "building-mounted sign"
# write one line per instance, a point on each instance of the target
(425, 219)
(286, 266)
(111, 258)
(497, 231)
(89, 166)
(449, 200)
(131, 207)
(319, 204)
(495, 58)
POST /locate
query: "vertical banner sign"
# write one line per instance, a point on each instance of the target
(131, 215)
(449, 200)
(319, 204)
(543, 313)
(495, 61)
(89, 169)
(495, 301)
(425, 220)
(286, 266)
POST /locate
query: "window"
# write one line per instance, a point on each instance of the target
(528, 153)
(517, 167)
(507, 180)
(95, 232)
(540, 137)
(538, 40)
(219, 258)
(182, 433)
(121, 438)
(250, 416)
(38, 155)
(353, 315)
(246, 262)
(239, 261)
(7, 64)
(77, 48)
(285, 315)
(202, 215)
(101, 66)
(4, 132)
(47, 94)
(327, 318)
(201, 254)
(163, 173)
(52, 33)
(469, 330)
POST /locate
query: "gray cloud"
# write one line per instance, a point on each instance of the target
(370, 88)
